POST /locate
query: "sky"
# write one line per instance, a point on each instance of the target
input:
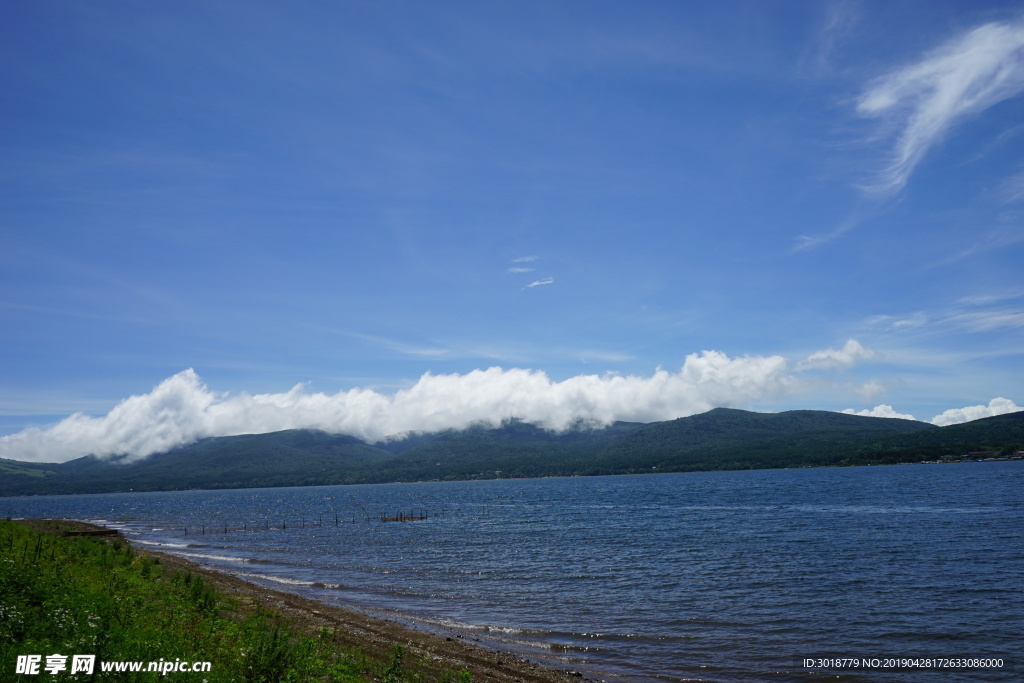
(379, 217)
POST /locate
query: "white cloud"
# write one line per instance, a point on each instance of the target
(524, 259)
(181, 409)
(997, 406)
(521, 270)
(539, 283)
(835, 359)
(960, 79)
(870, 389)
(880, 411)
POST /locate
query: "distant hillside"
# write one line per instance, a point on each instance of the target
(716, 440)
(515, 449)
(1003, 434)
(289, 458)
(28, 469)
(737, 439)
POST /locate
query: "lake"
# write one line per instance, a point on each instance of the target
(718, 576)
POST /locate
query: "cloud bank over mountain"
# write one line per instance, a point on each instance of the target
(880, 411)
(997, 406)
(182, 409)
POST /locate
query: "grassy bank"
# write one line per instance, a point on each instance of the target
(86, 595)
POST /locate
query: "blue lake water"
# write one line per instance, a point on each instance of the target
(720, 576)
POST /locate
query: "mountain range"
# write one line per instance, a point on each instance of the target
(720, 439)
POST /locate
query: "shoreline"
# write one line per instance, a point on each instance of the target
(376, 636)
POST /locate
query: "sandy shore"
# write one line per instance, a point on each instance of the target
(378, 637)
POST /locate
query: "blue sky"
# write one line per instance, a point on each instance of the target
(779, 204)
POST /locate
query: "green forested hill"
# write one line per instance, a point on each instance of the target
(719, 439)
(737, 439)
(1002, 433)
(289, 458)
(515, 449)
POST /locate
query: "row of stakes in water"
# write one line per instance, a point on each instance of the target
(267, 526)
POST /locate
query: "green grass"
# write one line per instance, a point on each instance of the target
(92, 596)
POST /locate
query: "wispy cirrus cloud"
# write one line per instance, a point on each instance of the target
(996, 238)
(403, 348)
(978, 313)
(896, 323)
(988, 320)
(521, 264)
(922, 101)
(986, 313)
(1011, 190)
(838, 20)
(991, 298)
(805, 242)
